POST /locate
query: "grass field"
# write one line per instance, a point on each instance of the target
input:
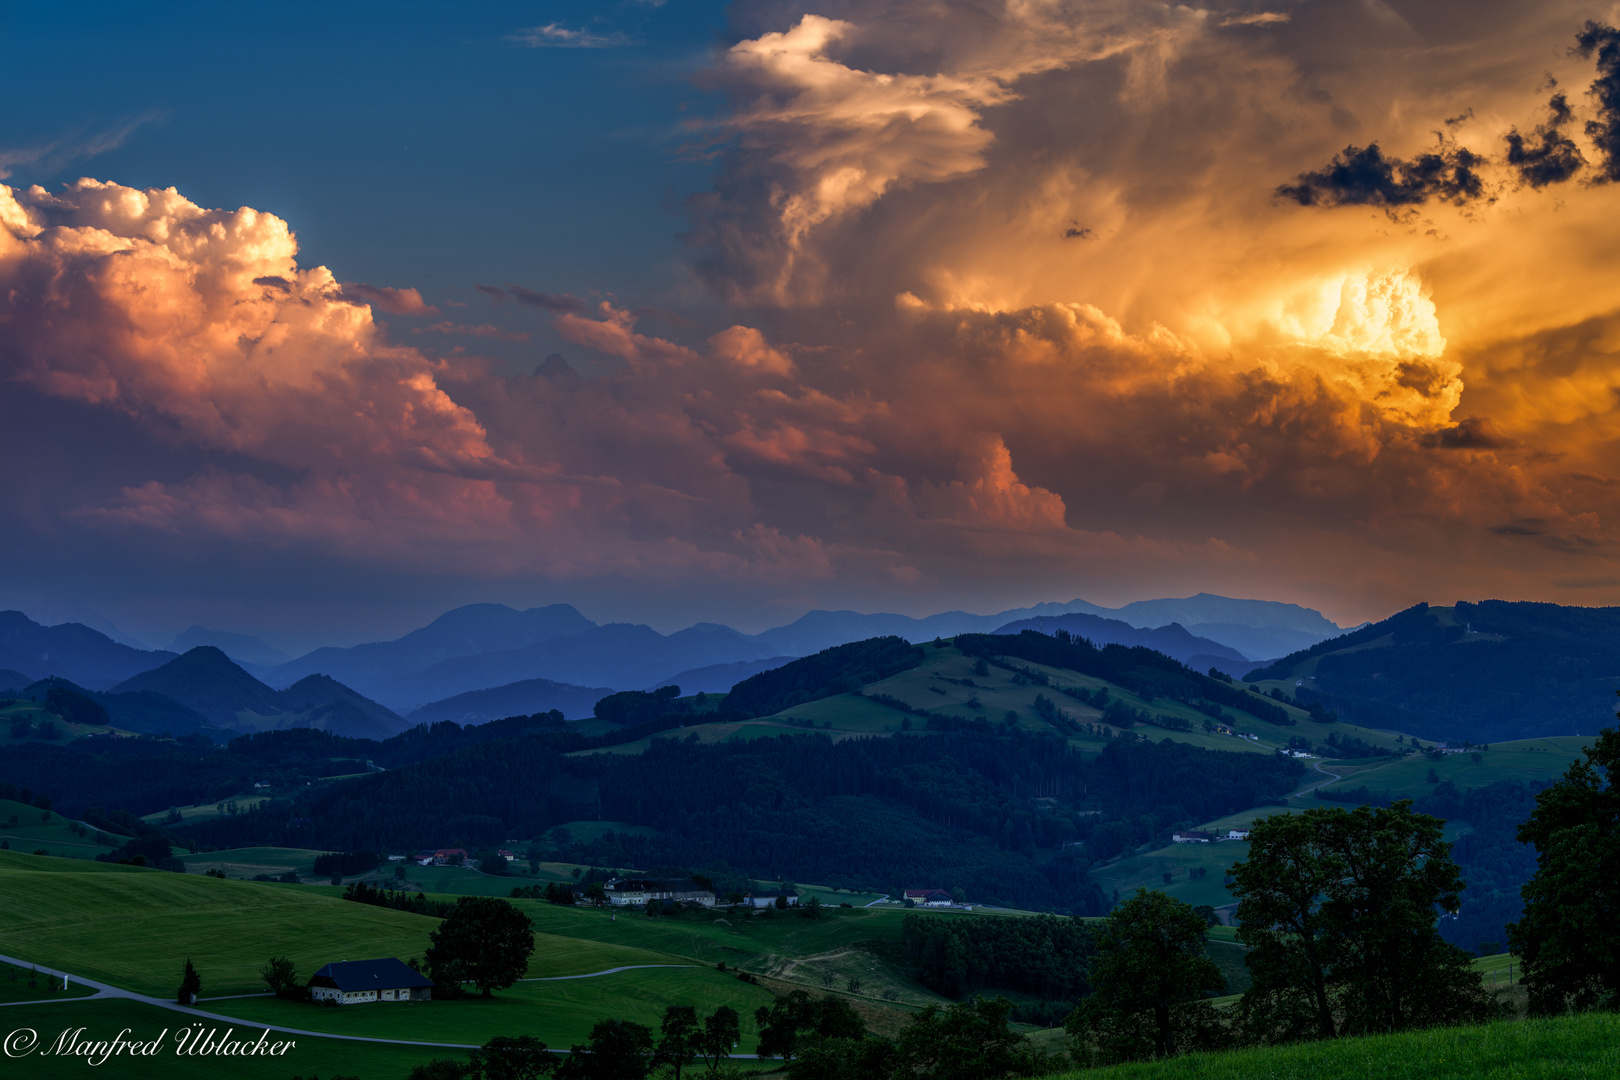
(28, 828)
(247, 862)
(135, 928)
(559, 1013)
(104, 1019)
(1407, 777)
(25, 984)
(1562, 1049)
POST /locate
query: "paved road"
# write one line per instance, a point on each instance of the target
(1331, 778)
(104, 991)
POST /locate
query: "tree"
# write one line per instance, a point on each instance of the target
(680, 1038)
(1569, 938)
(484, 941)
(967, 1040)
(617, 1050)
(507, 1058)
(796, 1018)
(190, 985)
(1150, 976)
(722, 1030)
(1339, 908)
(280, 976)
(492, 862)
(811, 908)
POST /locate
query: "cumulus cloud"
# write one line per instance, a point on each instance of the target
(923, 379)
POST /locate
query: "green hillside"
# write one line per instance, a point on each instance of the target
(1483, 672)
(1561, 1049)
(28, 828)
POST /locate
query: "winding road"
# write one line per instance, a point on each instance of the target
(104, 991)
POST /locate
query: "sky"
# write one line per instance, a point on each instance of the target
(318, 320)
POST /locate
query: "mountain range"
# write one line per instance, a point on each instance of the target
(486, 661)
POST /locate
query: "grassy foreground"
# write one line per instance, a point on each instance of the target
(1568, 1047)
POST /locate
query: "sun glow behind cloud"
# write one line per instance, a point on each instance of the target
(1022, 304)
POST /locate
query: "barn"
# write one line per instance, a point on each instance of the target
(350, 982)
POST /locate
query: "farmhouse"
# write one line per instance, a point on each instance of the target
(628, 892)
(1192, 836)
(929, 897)
(1237, 834)
(350, 982)
(767, 898)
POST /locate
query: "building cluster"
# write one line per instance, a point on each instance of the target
(1200, 836)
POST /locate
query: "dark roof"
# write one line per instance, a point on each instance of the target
(388, 973)
(763, 893)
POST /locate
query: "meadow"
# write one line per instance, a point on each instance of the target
(135, 928)
(28, 828)
(1561, 1049)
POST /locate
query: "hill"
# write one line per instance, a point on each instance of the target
(487, 646)
(1172, 640)
(523, 698)
(70, 651)
(207, 680)
(242, 648)
(1482, 672)
(144, 712)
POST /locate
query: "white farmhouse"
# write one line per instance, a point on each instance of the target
(350, 982)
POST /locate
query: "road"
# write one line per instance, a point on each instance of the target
(105, 991)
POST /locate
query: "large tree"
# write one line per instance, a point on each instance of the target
(483, 941)
(617, 1050)
(1569, 938)
(1340, 910)
(1151, 980)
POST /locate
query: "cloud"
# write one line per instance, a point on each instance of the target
(557, 36)
(1365, 177)
(920, 378)
(58, 154)
(548, 301)
(1549, 156)
(1602, 40)
(481, 330)
(393, 301)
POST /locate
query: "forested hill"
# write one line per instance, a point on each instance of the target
(974, 807)
(1484, 672)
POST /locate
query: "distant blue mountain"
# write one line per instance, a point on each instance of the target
(70, 651)
(490, 646)
(523, 698)
(1174, 641)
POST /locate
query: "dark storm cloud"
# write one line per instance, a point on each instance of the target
(1470, 433)
(561, 303)
(1548, 156)
(1604, 131)
(1365, 177)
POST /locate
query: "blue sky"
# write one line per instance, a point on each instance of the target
(409, 144)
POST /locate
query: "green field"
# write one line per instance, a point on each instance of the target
(1576, 1046)
(248, 862)
(28, 828)
(26, 984)
(1407, 777)
(560, 1013)
(135, 928)
(104, 1019)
